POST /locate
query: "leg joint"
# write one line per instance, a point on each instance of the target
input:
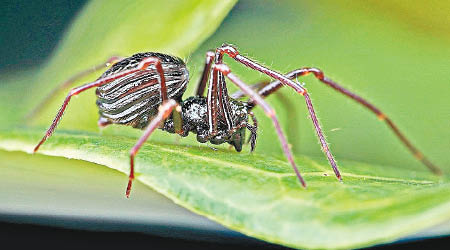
(222, 68)
(228, 49)
(381, 116)
(210, 55)
(317, 72)
(148, 61)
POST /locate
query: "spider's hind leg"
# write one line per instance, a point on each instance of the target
(66, 84)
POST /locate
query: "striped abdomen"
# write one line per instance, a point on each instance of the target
(134, 99)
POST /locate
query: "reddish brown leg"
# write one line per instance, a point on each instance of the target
(257, 87)
(272, 87)
(287, 104)
(206, 71)
(233, 53)
(144, 64)
(267, 109)
(162, 80)
(224, 102)
(212, 102)
(164, 111)
(68, 83)
(218, 103)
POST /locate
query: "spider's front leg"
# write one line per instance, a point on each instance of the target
(225, 70)
(164, 112)
(286, 80)
(234, 53)
(205, 75)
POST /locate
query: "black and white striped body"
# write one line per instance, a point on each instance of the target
(133, 100)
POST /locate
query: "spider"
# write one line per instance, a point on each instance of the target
(145, 91)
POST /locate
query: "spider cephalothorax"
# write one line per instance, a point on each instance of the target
(145, 91)
(195, 119)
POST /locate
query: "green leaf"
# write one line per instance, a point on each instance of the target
(397, 64)
(261, 197)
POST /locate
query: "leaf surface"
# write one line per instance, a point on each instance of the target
(261, 197)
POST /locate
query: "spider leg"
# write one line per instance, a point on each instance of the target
(143, 65)
(205, 75)
(225, 70)
(164, 112)
(68, 83)
(286, 102)
(218, 104)
(272, 87)
(233, 53)
(224, 102)
(257, 86)
(213, 105)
